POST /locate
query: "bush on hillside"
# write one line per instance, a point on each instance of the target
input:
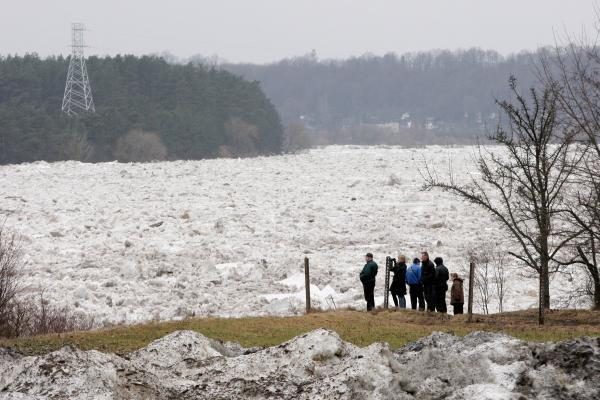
(139, 146)
(242, 139)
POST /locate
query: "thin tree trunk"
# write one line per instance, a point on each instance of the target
(546, 289)
(597, 295)
(596, 279)
(544, 294)
(541, 309)
(592, 268)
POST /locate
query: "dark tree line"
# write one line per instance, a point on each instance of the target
(455, 88)
(189, 107)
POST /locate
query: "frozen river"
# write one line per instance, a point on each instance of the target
(132, 242)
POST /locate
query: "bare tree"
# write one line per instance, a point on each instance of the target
(482, 280)
(21, 315)
(522, 186)
(490, 275)
(584, 215)
(573, 69)
(10, 267)
(499, 273)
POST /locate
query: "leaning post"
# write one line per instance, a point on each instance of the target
(307, 283)
(471, 279)
(386, 289)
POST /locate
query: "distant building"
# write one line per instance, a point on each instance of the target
(388, 126)
(430, 124)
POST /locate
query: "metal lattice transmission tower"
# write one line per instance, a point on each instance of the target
(78, 92)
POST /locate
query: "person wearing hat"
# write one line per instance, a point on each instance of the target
(457, 294)
(441, 285)
(367, 277)
(398, 286)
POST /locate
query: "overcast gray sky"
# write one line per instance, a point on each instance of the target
(267, 30)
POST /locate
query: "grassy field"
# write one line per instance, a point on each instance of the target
(360, 328)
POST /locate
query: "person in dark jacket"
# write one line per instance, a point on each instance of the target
(367, 277)
(428, 279)
(398, 286)
(457, 294)
(413, 279)
(441, 285)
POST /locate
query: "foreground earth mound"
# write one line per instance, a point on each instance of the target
(316, 365)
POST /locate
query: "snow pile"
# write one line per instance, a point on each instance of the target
(316, 365)
(65, 374)
(481, 366)
(173, 349)
(136, 242)
(491, 366)
(312, 366)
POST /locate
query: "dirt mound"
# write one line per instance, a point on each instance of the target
(316, 365)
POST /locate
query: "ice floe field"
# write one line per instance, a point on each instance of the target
(227, 237)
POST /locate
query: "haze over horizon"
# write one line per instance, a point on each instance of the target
(268, 30)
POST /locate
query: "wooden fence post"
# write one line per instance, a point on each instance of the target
(541, 311)
(471, 279)
(386, 289)
(307, 283)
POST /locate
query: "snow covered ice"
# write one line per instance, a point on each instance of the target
(227, 237)
(316, 365)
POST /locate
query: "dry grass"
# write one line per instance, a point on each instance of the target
(396, 328)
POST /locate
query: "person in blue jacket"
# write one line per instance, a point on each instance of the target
(367, 277)
(415, 283)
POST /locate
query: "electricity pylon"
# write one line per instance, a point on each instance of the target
(78, 92)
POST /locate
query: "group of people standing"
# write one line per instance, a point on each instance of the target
(427, 282)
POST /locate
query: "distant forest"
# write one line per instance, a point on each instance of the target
(155, 108)
(146, 109)
(422, 95)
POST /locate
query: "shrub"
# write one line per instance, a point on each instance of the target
(296, 138)
(140, 146)
(77, 147)
(24, 316)
(10, 269)
(242, 139)
(36, 316)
